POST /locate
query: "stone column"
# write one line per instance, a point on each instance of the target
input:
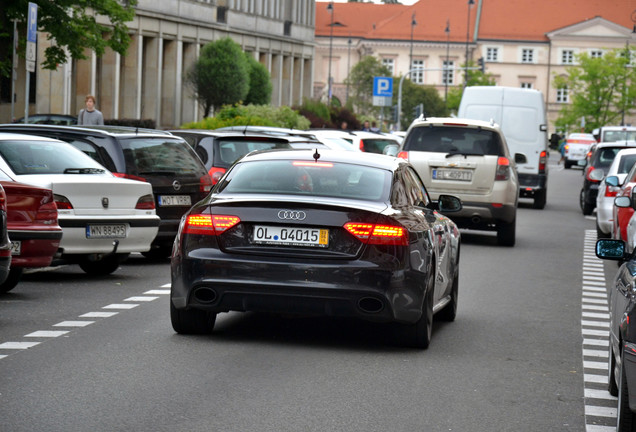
(150, 79)
(170, 63)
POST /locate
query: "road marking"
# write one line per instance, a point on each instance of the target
(47, 333)
(141, 299)
(155, 292)
(120, 306)
(18, 345)
(73, 324)
(98, 314)
(595, 353)
(592, 378)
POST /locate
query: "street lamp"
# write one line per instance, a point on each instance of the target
(330, 9)
(348, 67)
(413, 24)
(446, 74)
(470, 4)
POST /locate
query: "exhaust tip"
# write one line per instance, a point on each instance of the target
(370, 305)
(475, 219)
(205, 295)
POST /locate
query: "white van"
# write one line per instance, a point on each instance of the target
(521, 115)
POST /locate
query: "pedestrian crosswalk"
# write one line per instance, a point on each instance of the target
(600, 406)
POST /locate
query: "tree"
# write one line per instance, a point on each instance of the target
(602, 90)
(475, 78)
(414, 95)
(71, 25)
(360, 80)
(260, 92)
(220, 76)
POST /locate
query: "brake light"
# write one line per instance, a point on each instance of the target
(62, 203)
(361, 145)
(146, 202)
(378, 234)
(503, 169)
(403, 155)
(47, 213)
(209, 224)
(216, 174)
(566, 147)
(611, 191)
(313, 164)
(543, 158)
(205, 184)
(129, 176)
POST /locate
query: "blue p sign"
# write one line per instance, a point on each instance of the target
(32, 29)
(383, 86)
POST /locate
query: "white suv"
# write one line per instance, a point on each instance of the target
(468, 159)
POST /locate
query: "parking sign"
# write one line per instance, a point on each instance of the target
(32, 29)
(383, 86)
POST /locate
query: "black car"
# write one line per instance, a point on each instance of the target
(601, 157)
(178, 177)
(50, 119)
(318, 232)
(621, 298)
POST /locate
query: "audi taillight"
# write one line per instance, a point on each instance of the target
(216, 174)
(543, 159)
(129, 176)
(403, 155)
(62, 203)
(377, 234)
(503, 169)
(205, 184)
(47, 213)
(146, 202)
(209, 224)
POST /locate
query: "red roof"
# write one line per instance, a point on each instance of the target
(499, 19)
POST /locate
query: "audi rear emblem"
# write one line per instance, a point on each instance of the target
(292, 214)
(176, 185)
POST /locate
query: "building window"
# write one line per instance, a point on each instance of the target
(221, 14)
(448, 75)
(417, 76)
(563, 95)
(567, 57)
(596, 53)
(526, 85)
(492, 54)
(388, 62)
(527, 55)
(287, 28)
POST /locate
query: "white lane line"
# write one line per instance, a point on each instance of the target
(168, 285)
(595, 353)
(594, 308)
(596, 342)
(596, 324)
(596, 301)
(141, 299)
(598, 428)
(599, 394)
(47, 333)
(592, 378)
(600, 411)
(594, 289)
(590, 332)
(73, 324)
(18, 345)
(595, 365)
(158, 292)
(120, 306)
(596, 315)
(98, 314)
(594, 294)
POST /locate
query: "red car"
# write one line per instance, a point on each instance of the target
(622, 215)
(32, 227)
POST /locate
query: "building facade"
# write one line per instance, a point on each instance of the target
(167, 36)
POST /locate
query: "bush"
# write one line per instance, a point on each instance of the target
(255, 115)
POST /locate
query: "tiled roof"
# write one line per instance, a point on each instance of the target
(500, 19)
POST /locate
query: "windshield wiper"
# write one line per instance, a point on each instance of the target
(461, 153)
(158, 172)
(84, 171)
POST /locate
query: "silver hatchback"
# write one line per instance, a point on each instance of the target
(469, 159)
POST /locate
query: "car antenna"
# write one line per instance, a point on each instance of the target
(316, 155)
(245, 130)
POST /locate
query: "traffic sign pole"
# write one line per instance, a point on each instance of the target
(31, 53)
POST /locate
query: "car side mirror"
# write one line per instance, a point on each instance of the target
(623, 202)
(611, 249)
(520, 158)
(448, 204)
(543, 127)
(597, 174)
(612, 181)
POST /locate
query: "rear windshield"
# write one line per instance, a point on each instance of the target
(147, 156)
(227, 151)
(39, 157)
(604, 156)
(626, 163)
(376, 145)
(325, 179)
(446, 139)
(613, 136)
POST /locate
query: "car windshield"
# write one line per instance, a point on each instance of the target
(619, 135)
(626, 163)
(325, 179)
(447, 139)
(44, 157)
(147, 155)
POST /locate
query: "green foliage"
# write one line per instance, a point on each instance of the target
(260, 91)
(601, 90)
(475, 78)
(360, 80)
(220, 76)
(254, 115)
(413, 95)
(71, 25)
(316, 112)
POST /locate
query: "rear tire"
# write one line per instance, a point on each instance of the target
(540, 198)
(15, 274)
(599, 233)
(449, 313)
(192, 321)
(586, 207)
(612, 387)
(419, 334)
(104, 266)
(626, 418)
(506, 233)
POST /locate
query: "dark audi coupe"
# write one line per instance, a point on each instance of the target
(318, 232)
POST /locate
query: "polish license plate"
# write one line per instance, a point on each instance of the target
(16, 247)
(106, 231)
(291, 236)
(452, 174)
(174, 200)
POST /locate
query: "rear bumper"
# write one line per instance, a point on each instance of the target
(211, 280)
(483, 216)
(37, 248)
(530, 184)
(629, 362)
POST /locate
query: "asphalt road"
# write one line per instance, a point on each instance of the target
(512, 360)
